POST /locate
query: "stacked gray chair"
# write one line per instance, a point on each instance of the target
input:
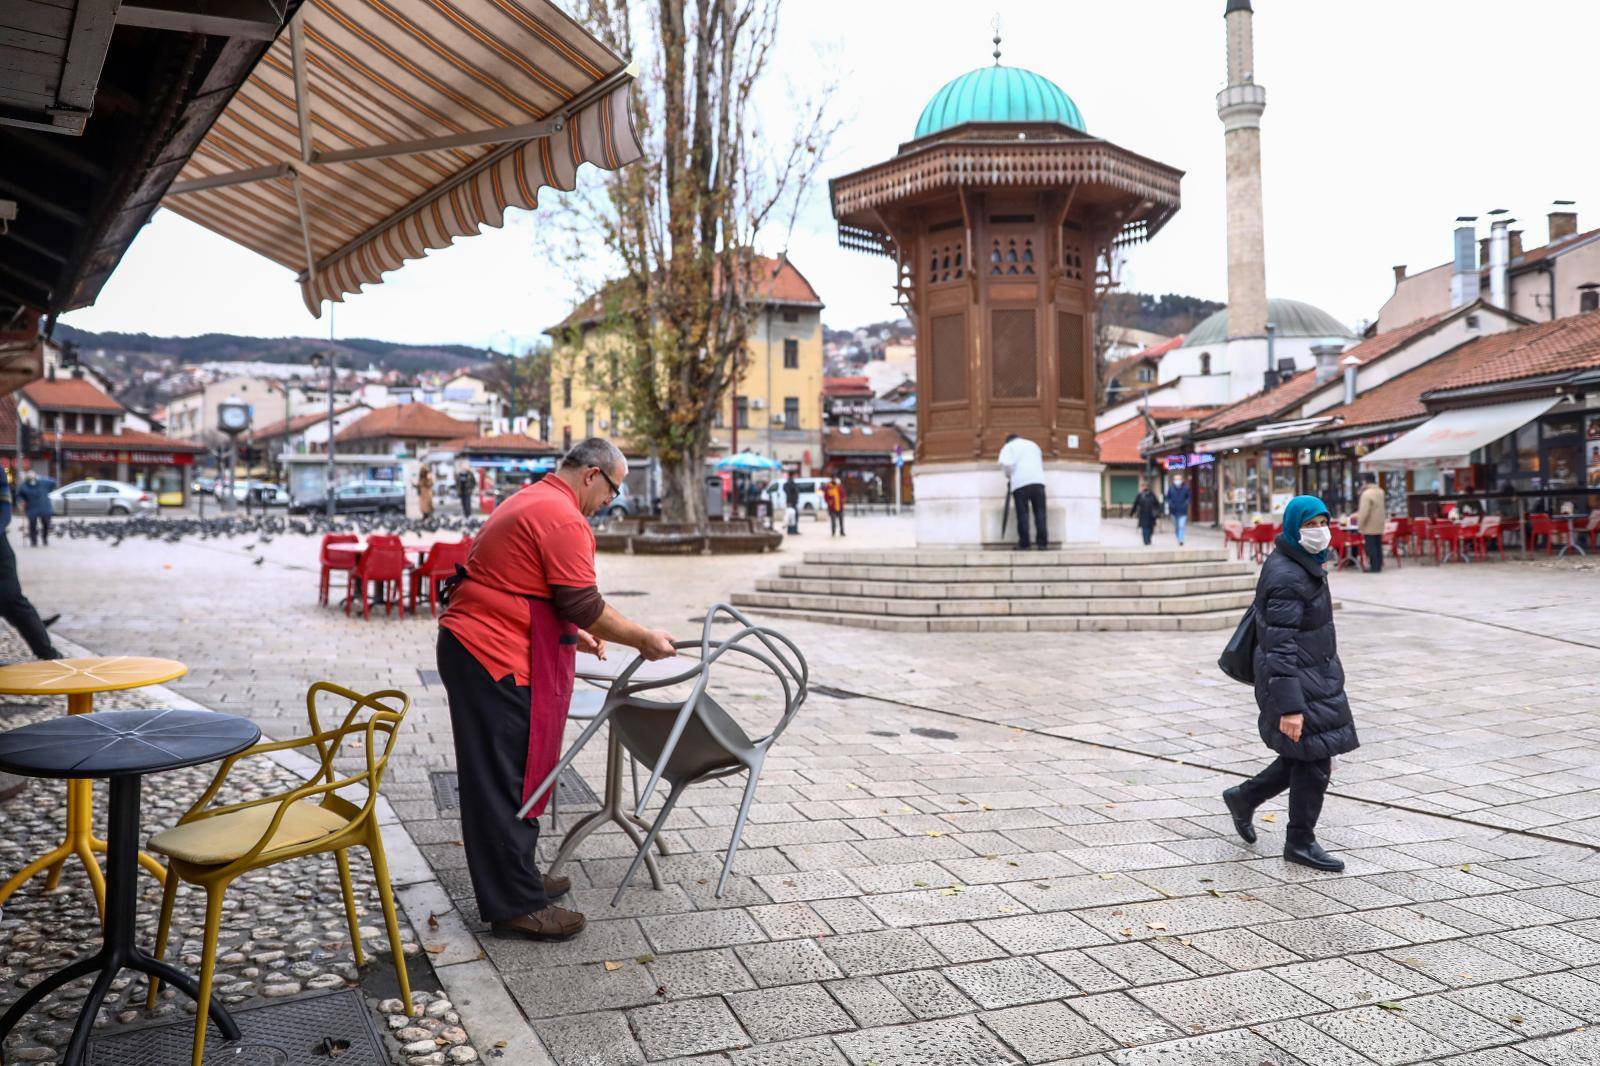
(696, 739)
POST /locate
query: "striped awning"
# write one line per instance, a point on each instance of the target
(376, 130)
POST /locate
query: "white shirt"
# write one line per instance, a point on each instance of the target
(1023, 463)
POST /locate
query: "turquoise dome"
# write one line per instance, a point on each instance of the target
(998, 94)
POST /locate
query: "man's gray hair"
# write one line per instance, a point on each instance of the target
(595, 451)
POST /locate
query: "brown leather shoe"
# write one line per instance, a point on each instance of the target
(552, 923)
(557, 885)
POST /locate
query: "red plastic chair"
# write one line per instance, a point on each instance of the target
(1541, 525)
(1592, 527)
(1446, 537)
(1394, 537)
(1233, 533)
(437, 566)
(1350, 549)
(384, 567)
(1260, 538)
(384, 540)
(1421, 536)
(343, 562)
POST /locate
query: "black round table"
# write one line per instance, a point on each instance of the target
(121, 746)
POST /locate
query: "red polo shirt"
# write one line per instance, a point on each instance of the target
(536, 539)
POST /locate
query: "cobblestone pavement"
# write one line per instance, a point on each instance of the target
(1008, 848)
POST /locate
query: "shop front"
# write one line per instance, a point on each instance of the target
(1200, 468)
(162, 472)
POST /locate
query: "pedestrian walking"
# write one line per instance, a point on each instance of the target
(1146, 509)
(34, 492)
(833, 496)
(1372, 514)
(466, 487)
(1304, 714)
(527, 601)
(1178, 506)
(791, 503)
(14, 606)
(425, 491)
(1023, 463)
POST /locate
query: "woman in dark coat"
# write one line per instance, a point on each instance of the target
(1305, 716)
(1146, 509)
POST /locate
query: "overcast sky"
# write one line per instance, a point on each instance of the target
(1385, 120)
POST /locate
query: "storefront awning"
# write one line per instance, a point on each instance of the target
(1449, 439)
(375, 131)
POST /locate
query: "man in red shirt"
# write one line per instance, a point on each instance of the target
(527, 603)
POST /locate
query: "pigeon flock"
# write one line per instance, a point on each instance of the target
(174, 529)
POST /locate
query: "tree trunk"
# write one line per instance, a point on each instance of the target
(683, 491)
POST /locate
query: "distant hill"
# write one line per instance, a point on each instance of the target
(1168, 314)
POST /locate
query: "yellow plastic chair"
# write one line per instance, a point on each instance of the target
(210, 847)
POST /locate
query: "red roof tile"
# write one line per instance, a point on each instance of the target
(415, 421)
(773, 280)
(1119, 445)
(853, 386)
(864, 440)
(299, 422)
(127, 440)
(69, 394)
(503, 444)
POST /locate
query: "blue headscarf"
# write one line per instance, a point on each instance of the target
(1301, 510)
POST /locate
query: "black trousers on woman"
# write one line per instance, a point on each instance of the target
(489, 720)
(1307, 782)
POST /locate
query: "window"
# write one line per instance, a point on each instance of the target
(588, 422)
(566, 392)
(1589, 299)
(791, 354)
(791, 316)
(1147, 374)
(741, 412)
(611, 420)
(1205, 363)
(717, 419)
(791, 412)
(566, 438)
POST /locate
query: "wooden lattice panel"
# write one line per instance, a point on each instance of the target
(1014, 370)
(947, 338)
(1069, 354)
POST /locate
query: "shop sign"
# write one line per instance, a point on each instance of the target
(98, 455)
(1184, 462)
(1283, 460)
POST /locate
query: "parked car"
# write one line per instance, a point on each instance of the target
(101, 497)
(358, 497)
(261, 493)
(204, 486)
(811, 501)
(626, 505)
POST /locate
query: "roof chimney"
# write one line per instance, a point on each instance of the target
(1327, 361)
(1516, 245)
(1563, 220)
(1399, 273)
(1464, 282)
(1499, 257)
(1350, 364)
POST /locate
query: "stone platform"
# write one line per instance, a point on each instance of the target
(1009, 591)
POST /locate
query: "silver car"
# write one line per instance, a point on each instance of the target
(101, 497)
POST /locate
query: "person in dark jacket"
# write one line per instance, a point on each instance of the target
(14, 606)
(1146, 509)
(466, 487)
(1178, 506)
(791, 503)
(1305, 716)
(34, 492)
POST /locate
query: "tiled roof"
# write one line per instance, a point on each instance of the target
(1262, 406)
(774, 280)
(1119, 445)
(69, 394)
(1566, 344)
(275, 429)
(853, 386)
(1545, 251)
(502, 444)
(407, 420)
(864, 440)
(127, 440)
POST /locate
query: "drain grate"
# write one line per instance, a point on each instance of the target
(934, 734)
(275, 1034)
(571, 789)
(834, 693)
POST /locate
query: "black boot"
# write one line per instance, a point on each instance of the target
(1307, 852)
(1242, 813)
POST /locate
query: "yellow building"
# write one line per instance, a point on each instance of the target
(776, 410)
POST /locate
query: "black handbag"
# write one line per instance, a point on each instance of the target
(1238, 657)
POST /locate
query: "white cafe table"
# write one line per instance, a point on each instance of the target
(586, 704)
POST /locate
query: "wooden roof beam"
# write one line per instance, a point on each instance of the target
(257, 20)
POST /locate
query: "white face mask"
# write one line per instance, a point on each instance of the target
(1315, 538)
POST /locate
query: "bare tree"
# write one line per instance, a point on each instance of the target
(681, 226)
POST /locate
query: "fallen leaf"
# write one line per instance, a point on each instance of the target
(613, 966)
(852, 786)
(330, 1048)
(645, 960)
(1205, 880)
(985, 807)
(1466, 867)
(1125, 932)
(1516, 1019)
(965, 803)
(935, 833)
(1012, 862)
(433, 949)
(1214, 892)
(992, 855)
(919, 884)
(1107, 877)
(433, 921)
(661, 990)
(1386, 1005)
(1156, 926)
(1269, 817)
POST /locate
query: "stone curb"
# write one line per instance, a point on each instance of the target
(493, 1020)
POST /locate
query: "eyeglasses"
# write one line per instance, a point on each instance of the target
(616, 490)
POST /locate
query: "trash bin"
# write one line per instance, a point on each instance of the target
(714, 498)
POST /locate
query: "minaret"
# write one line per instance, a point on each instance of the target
(1240, 106)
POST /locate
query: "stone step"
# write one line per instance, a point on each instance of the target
(805, 582)
(1031, 574)
(1086, 556)
(1051, 623)
(1081, 606)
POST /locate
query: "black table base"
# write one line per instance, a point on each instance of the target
(118, 951)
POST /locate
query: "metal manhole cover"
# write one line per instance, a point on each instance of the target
(290, 1033)
(834, 693)
(571, 789)
(934, 734)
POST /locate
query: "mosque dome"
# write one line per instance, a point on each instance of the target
(1291, 318)
(998, 94)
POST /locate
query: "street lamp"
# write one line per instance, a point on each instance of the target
(332, 361)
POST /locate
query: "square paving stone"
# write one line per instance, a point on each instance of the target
(1568, 991)
(961, 942)
(1517, 1012)
(1210, 1003)
(789, 1012)
(934, 906)
(590, 1040)
(703, 929)
(602, 940)
(1322, 938)
(947, 1042)
(700, 973)
(846, 915)
(785, 921)
(1494, 1056)
(787, 962)
(1456, 964)
(1043, 1032)
(1455, 1024)
(1414, 980)
(559, 990)
(1237, 1048)
(812, 884)
(1410, 924)
(1085, 973)
(1568, 1049)
(1030, 934)
(1240, 949)
(819, 1051)
(1381, 1035)
(1008, 982)
(686, 1027)
(886, 951)
(1313, 1046)
(1139, 964)
(1126, 1021)
(1340, 983)
(1180, 917)
(926, 994)
(869, 1002)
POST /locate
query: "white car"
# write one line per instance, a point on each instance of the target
(101, 497)
(811, 501)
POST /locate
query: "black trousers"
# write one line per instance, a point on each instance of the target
(1307, 782)
(466, 504)
(1026, 497)
(15, 608)
(836, 522)
(1374, 551)
(1146, 531)
(489, 720)
(36, 522)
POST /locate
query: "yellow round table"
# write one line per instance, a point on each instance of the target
(79, 680)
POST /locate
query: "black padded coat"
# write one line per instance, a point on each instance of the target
(1297, 658)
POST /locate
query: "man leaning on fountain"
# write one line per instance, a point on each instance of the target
(525, 603)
